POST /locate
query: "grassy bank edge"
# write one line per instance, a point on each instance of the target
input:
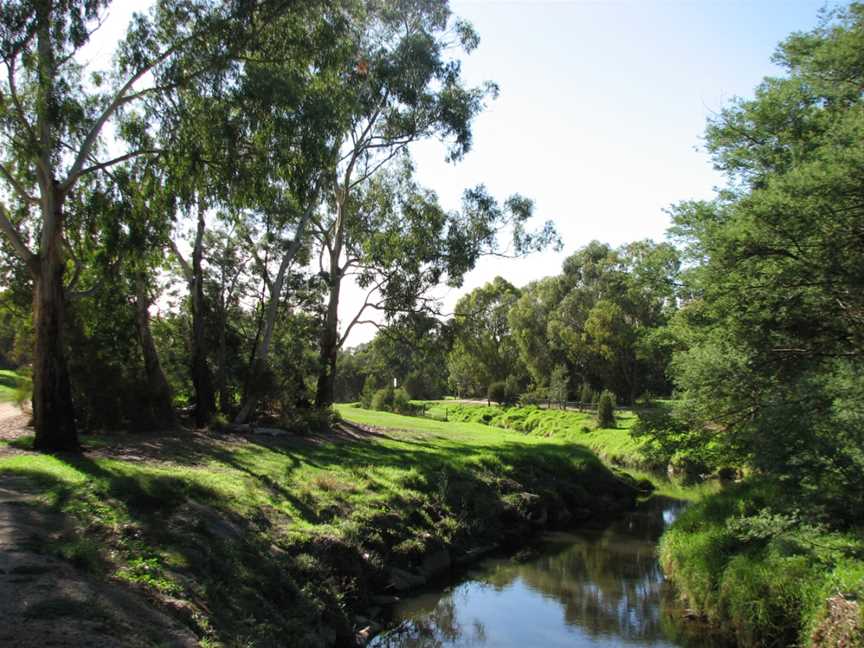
(763, 577)
(253, 541)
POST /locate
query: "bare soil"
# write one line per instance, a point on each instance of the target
(46, 601)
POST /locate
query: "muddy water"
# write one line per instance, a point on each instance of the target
(599, 587)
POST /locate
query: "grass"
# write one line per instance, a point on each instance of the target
(9, 381)
(767, 577)
(613, 445)
(266, 538)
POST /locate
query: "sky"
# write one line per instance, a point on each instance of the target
(601, 113)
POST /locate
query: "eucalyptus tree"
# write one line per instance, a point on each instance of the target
(52, 123)
(484, 351)
(290, 114)
(404, 87)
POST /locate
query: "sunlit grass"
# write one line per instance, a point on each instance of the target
(9, 381)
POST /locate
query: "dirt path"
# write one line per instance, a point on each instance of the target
(13, 421)
(46, 601)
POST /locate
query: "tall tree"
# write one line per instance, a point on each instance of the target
(774, 327)
(484, 350)
(403, 88)
(51, 123)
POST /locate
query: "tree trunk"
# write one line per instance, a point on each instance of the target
(205, 399)
(330, 333)
(160, 398)
(329, 346)
(262, 343)
(225, 403)
(53, 412)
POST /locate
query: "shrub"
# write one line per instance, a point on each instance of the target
(401, 403)
(606, 410)
(502, 393)
(382, 400)
(370, 385)
(308, 420)
(534, 397)
(587, 395)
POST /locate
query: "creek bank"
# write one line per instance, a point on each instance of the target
(596, 585)
(763, 575)
(288, 540)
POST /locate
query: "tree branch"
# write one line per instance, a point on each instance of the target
(19, 188)
(16, 240)
(120, 98)
(184, 265)
(117, 160)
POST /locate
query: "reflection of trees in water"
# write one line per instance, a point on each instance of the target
(607, 580)
(435, 628)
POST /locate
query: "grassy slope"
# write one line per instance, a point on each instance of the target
(253, 540)
(769, 581)
(614, 445)
(8, 384)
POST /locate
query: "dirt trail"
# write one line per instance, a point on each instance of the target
(46, 601)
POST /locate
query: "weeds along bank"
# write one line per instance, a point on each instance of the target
(747, 560)
(257, 540)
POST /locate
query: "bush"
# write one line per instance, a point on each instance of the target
(309, 420)
(401, 403)
(536, 396)
(393, 400)
(500, 392)
(587, 395)
(370, 385)
(382, 400)
(606, 410)
(667, 439)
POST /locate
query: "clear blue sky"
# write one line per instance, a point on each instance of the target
(602, 109)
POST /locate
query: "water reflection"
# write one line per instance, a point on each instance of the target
(597, 587)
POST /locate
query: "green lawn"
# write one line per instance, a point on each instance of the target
(613, 445)
(9, 381)
(264, 536)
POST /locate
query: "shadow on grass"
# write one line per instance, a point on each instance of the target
(227, 562)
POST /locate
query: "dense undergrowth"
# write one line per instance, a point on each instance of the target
(757, 566)
(252, 540)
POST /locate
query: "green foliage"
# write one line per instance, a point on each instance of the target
(587, 396)
(606, 410)
(483, 350)
(392, 400)
(605, 317)
(668, 439)
(498, 393)
(749, 561)
(559, 385)
(382, 399)
(370, 388)
(770, 353)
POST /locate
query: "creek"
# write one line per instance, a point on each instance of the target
(600, 586)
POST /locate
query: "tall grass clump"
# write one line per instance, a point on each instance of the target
(765, 573)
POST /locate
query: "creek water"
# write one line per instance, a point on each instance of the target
(598, 586)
